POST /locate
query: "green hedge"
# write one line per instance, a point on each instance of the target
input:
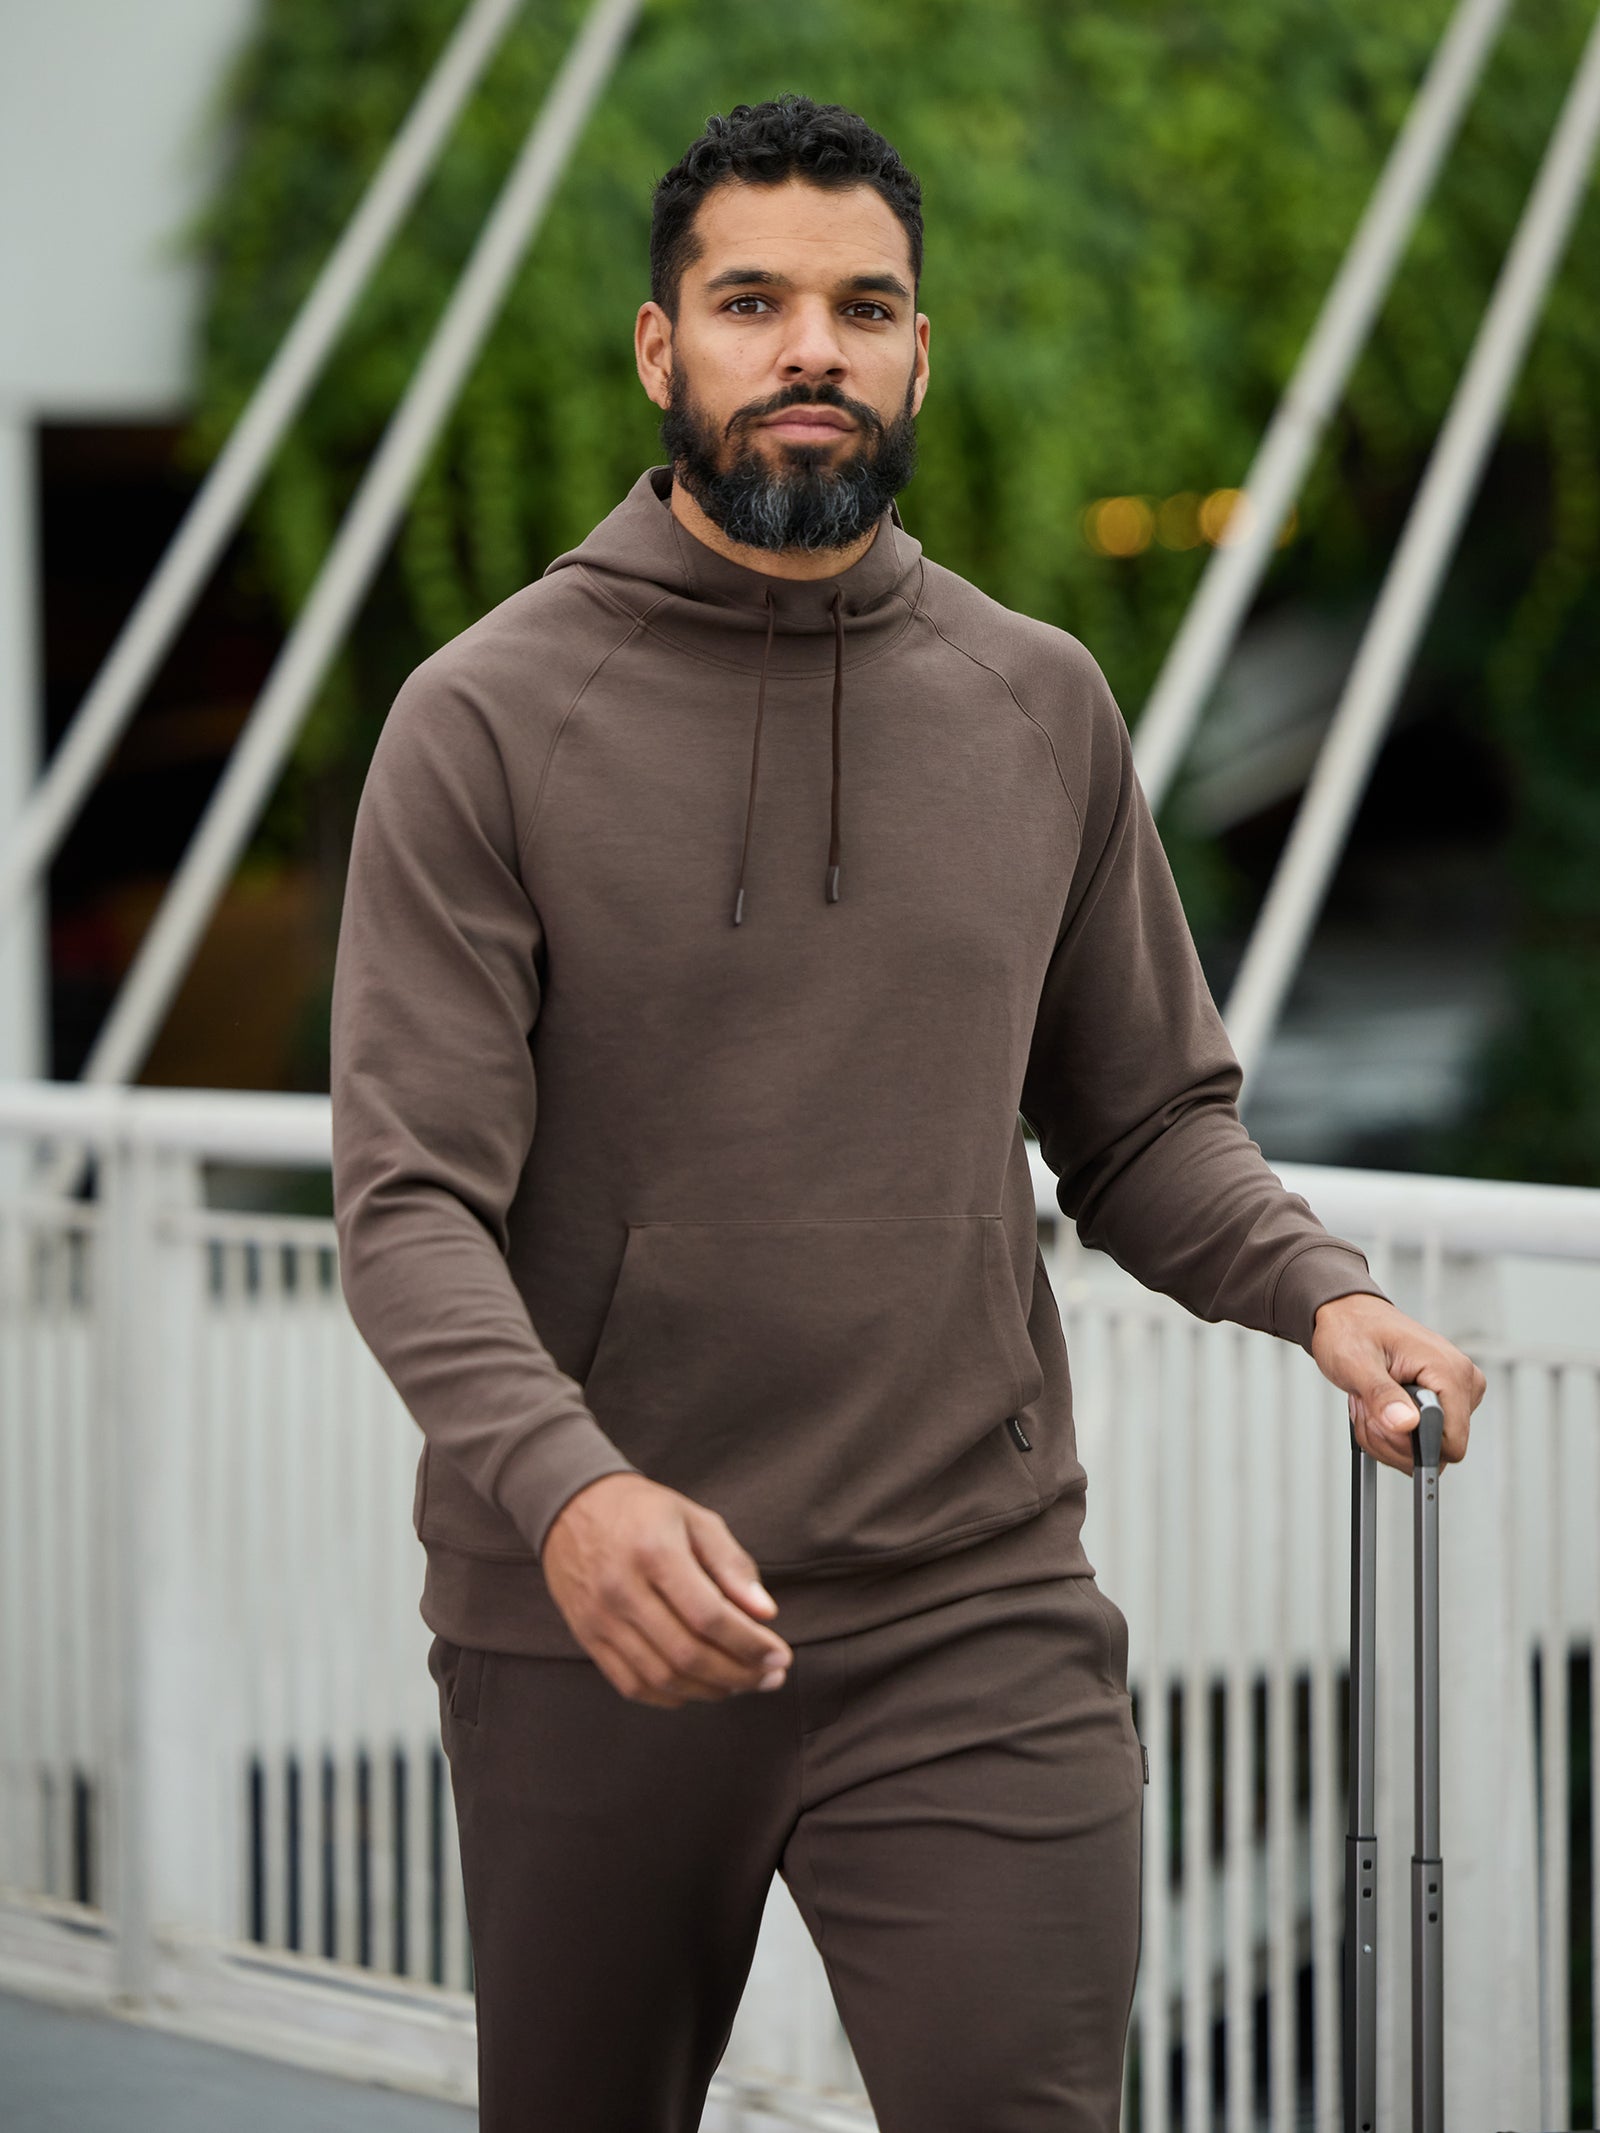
(1133, 213)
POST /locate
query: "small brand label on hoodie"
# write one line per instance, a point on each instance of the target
(1014, 1424)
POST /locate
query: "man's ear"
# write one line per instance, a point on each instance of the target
(651, 328)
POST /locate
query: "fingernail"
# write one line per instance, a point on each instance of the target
(773, 1680)
(1401, 1413)
(759, 1593)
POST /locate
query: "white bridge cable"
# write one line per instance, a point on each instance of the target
(1432, 529)
(1236, 567)
(363, 539)
(236, 474)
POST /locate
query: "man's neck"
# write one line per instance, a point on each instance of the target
(776, 562)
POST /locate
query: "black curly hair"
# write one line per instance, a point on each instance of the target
(765, 144)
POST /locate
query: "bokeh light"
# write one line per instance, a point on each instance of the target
(1225, 516)
(1178, 521)
(1125, 525)
(1119, 525)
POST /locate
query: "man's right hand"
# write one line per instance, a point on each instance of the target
(659, 1594)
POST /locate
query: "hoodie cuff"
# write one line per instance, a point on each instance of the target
(1311, 1277)
(548, 1468)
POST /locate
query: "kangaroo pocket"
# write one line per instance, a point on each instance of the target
(837, 1390)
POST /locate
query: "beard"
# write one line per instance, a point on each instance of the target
(810, 496)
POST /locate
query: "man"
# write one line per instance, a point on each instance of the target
(719, 906)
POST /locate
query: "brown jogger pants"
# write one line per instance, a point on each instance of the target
(955, 1800)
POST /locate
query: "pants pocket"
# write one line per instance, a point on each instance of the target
(1116, 1631)
(458, 1671)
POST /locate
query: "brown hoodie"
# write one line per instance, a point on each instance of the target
(708, 937)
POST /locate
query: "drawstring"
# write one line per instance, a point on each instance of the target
(831, 878)
(755, 758)
(831, 883)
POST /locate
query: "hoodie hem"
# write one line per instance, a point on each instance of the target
(502, 1604)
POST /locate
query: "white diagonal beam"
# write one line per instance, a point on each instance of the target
(225, 494)
(1432, 530)
(1235, 568)
(359, 546)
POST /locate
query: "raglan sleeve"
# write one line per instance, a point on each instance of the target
(436, 992)
(1132, 1083)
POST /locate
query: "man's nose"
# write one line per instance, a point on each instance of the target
(813, 348)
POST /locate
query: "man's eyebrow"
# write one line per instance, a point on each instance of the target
(861, 284)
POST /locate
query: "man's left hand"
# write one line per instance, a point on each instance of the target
(1372, 1351)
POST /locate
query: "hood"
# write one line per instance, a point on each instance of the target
(645, 562)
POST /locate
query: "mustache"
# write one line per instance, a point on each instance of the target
(803, 396)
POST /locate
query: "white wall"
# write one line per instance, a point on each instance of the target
(103, 109)
(103, 158)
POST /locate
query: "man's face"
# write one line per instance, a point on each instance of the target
(792, 377)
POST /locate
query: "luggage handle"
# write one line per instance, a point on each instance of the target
(1361, 1841)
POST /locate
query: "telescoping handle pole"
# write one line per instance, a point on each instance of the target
(1427, 1865)
(1361, 1841)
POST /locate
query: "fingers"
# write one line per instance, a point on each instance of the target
(634, 1664)
(635, 1669)
(1383, 1449)
(1381, 1353)
(730, 1563)
(1392, 1447)
(711, 1619)
(1394, 1406)
(1387, 1446)
(705, 1638)
(1458, 1396)
(660, 1655)
(623, 1562)
(691, 1659)
(1450, 1377)
(649, 1655)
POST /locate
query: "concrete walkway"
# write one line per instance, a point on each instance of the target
(63, 2070)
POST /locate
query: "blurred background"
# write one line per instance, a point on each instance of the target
(1135, 212)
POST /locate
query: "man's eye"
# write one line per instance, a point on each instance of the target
(864, 303)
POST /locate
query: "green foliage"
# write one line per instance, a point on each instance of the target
(1134, 210)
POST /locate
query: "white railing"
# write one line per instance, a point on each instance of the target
(222, 1795)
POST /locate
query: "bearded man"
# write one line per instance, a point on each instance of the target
(720, 907)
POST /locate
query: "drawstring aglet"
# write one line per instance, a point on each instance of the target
(833, 885)
(738, 908)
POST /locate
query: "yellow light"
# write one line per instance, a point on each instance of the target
(1225, 516)
(1178, 521)
(1120, 525)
